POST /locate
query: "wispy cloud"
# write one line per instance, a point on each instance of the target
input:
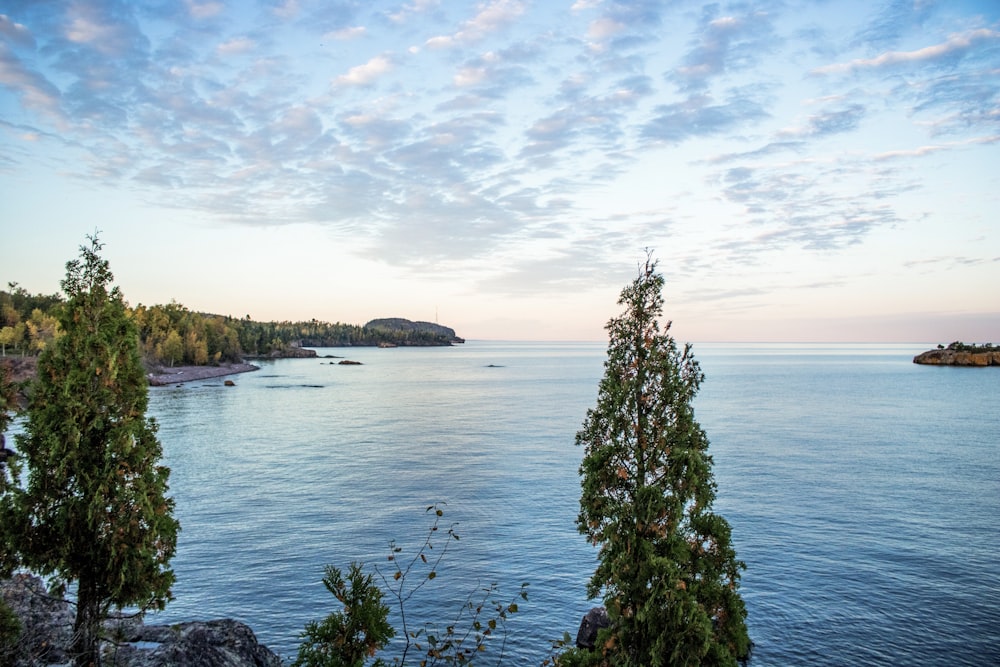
(36, 91)
(726, 43)
(345, 34)
(922, 151)
(492, 16)
(560, 137)
(236, 46)
(204, 9)
(700, 116)
(16, 33)
(954, 47)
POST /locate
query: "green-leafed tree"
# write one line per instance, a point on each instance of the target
(667, 568)
(94, 509)
(350, 637)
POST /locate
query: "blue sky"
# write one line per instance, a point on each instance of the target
(803, 171)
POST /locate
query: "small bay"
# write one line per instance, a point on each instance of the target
(862, 490)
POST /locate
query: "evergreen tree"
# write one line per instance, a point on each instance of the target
(94, 510)
(666, 567)
(8, 406)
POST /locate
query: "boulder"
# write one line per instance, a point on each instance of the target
(47, 627)
(219, 643)
(46, 621)
(595, 620)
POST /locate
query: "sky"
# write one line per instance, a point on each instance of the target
(812, 171)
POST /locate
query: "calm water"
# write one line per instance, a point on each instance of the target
(863, 490)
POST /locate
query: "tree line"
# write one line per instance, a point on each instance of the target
(172, 335)
(83, 501)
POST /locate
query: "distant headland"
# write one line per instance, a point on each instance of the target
(434, 334)
(960, 354)
(178, 344)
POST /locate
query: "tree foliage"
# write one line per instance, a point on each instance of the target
(93, 510)
(349, 638)
(667, 568)
(171, 334)
(10, 628)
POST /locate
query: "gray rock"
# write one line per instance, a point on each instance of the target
(47, 628)
(218, 643)
(594, 621)
(46, 621)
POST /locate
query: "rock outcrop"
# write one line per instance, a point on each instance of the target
(46, 622)
(949, 357)
(47, 627)
(219, 643)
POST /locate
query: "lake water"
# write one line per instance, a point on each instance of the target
(863, 491)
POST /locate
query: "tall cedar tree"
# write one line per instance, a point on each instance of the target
(666, 566)
(94, 510)
(8, 405)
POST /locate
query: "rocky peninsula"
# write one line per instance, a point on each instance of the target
(960, 354)
(161, 377)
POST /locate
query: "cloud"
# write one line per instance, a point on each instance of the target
(204, 10)
(492, 17)
(698, 116)
(494, 75)
(770, 148)
(36, 91)
(846, 119)
(415, 7)
(726, 43)
(367, 74)
(949, 263)
(953, 48)
(108, 30)
(603, 28)
(236, 46)
(16, 33)
(346, 34)
(287, 9)
(809, 205)
(922, 151)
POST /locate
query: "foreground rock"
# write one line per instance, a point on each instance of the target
(952, 357)
(47, 625)
(220, 643)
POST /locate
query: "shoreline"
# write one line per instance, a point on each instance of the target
(181, 374)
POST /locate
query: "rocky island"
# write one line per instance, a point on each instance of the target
(960, 354)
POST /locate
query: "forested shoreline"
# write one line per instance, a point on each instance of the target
(172, 335)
